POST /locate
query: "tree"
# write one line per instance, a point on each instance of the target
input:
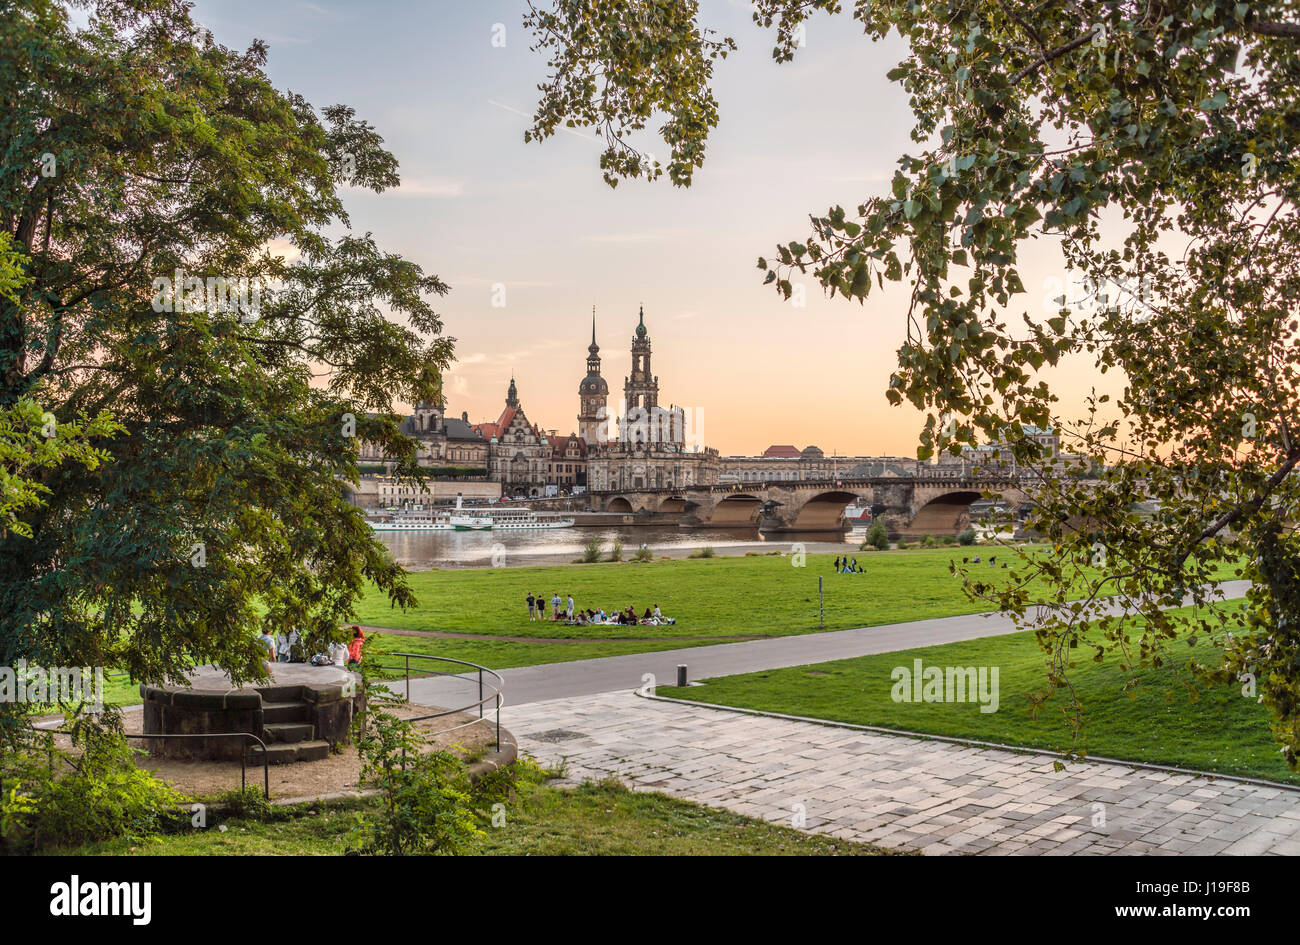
(30, 438)
(141, 153)
(1119, 130)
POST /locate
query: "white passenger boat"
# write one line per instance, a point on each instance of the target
(521, 517)
(414, 523)
(463, 520)
(458, 519)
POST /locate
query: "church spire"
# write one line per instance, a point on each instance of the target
(512, 395)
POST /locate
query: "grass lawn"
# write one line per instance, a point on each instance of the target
(592, 819)
(1154, 721)
(715, 600)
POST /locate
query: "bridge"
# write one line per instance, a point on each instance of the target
(909, 506)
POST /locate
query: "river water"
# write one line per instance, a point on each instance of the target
(420, 551)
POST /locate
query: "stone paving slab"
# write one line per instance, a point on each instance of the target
(901, 792)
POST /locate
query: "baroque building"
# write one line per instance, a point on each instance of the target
(642, 445)
(518, 450)
(440, 440)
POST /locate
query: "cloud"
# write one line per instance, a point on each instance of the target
(437, 187)
(623, 238)
(431, 187)
(570, 131)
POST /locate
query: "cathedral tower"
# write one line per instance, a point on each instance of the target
(593, 394)
(640, 389)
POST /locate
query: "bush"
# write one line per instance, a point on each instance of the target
(427, 803)
(616, 550)
(705, 552)
(877, 536)
(927, 541)
(591, 551)
(643, 554)
(967, 537)
(103, 796)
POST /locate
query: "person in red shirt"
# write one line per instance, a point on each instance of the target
(354, 647)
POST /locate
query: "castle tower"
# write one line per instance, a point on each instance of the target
(512, 395)
(593, 394)
(640, 390)
(428, 417)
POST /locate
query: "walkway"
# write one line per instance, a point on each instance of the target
(619, 673)
(903, 792)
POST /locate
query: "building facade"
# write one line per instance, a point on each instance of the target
(567, 468)
(518, 451)
(640, 445)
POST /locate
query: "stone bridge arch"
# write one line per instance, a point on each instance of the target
(672, 504)
(733, 510)
(621, 504)
(817, 512)
(945, 510)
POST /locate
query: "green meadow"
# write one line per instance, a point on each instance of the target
(715, 600)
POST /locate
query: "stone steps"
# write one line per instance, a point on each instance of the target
(280, 753)
(288, 733)
(296, 711)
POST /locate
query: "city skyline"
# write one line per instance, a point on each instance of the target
(529, 237)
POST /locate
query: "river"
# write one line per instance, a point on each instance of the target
(421, 551)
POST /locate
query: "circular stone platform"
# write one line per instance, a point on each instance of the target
(300, 713)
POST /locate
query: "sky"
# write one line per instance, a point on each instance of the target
(482, 209)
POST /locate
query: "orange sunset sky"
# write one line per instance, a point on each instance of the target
(481, 208)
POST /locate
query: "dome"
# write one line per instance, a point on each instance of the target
(812, 452)
(593, 384)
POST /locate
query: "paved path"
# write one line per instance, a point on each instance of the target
(903, 792)
(615, 673)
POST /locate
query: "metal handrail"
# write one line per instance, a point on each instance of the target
(494, 696)
(243, 750)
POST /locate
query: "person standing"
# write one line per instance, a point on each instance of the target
(354, 647)
(532, 609)
(268, 645)
(284, 644)
(555, 606)
(569, 610)
(837, 562)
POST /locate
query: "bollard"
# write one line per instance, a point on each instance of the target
(681, 675)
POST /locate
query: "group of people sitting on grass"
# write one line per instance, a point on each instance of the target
(848, 566)
(286, 648)
(562, 611)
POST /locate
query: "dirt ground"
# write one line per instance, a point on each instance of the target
(340, 772)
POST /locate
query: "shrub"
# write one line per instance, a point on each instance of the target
(705, 552)
(643, 554)
(427, 804)
(102, 796)
(877, 536)
(927, 541)
(591, 551)
(616, 550)
(967, 537)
